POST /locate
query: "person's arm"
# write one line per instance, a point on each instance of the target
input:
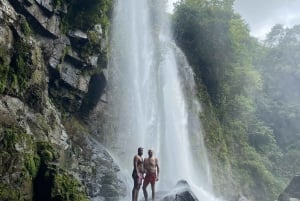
(145, 166)
(135, 162)
(157, 169)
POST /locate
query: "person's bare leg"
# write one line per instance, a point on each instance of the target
(133, 194)
(153, 191)
(145, 192)
(137, 194)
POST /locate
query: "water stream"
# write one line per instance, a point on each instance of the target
(152, 98)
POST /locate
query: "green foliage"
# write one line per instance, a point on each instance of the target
(279, 106)
(84, 14)
(25, 28)
(47, 152)
(218, 46)
(17, 156)
(32, 164)
(35, 164)
(67, 188)
(290, 157)
(278, 102)
(263, 184)
(4, 68)
(93, 46)
(57, 3)
(20, 69)
(203, 33)
(15, 136)
(8, 193)
(53, 183)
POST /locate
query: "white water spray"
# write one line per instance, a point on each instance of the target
(153, 103)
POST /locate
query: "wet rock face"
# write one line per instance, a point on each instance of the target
(7, 12)
(45, 76)
(181, 191)
(47, 4)
(7, 16)
(54, 50)
(101, 174)
(49, 23)
(71, 57)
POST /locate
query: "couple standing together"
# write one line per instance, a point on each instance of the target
(149, 167)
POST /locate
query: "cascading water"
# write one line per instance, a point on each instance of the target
(152, 98)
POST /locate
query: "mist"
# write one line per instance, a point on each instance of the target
(261, 16)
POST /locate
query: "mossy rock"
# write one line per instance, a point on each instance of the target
(5, 160)
(33, 170)
(35, 98)
(15, 139)
(74, 126)
(20, 70)
(25, 28)
(47, 152)
(58, 3)
(8, 193)
(32, 164)
(4, 67)
(85, 14)
(67, 188)
(19, 162)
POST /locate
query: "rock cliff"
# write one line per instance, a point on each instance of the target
(52, 77)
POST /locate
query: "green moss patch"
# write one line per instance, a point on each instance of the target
(67, 188)
(15, 76)
(53, 183)
(84, 14)
(8, 193)
(47, 152)
(25, 28)
(4, 68)
(17, 157)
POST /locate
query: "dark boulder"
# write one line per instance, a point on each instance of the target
(181, 192)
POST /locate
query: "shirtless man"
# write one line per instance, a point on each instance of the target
(152, 172)
(137, 173)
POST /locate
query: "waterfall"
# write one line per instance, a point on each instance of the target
(152, 98)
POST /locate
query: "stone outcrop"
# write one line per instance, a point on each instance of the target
(48, 79)
(47, 4)
(78, 35)
(7, 11)
(49, 23)
(101, 173)
(35, 124)
(292, 191)
(181, 191)
(74, 77)
(54, 50)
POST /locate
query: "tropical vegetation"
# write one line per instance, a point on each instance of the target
(250, 93)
